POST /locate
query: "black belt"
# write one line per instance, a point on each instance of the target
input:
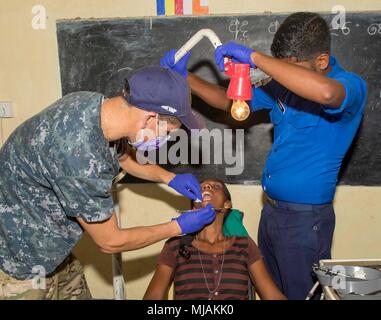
(295, 206)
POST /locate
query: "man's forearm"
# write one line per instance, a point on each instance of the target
(303, 82)
(212, 94)
(140, 237)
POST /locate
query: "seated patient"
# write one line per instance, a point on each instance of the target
(211, 265)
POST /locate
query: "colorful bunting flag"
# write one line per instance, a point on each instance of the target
(181, 7)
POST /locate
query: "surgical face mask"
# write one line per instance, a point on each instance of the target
(151, 144)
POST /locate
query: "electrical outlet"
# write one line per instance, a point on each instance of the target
(6, 109)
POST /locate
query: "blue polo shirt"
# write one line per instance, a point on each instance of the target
(310, 139)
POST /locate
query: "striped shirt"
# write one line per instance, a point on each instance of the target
(190, 275)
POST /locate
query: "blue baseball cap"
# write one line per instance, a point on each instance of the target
(163, 91)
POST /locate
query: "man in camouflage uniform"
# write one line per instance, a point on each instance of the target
(56, 173)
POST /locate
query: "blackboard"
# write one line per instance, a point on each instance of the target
(97, 55)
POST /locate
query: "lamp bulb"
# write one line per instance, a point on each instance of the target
(240, 110)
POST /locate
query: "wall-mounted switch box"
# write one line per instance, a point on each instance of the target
(6, 109)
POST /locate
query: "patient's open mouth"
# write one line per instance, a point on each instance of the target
(207, 196)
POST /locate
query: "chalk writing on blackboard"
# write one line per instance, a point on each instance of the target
(374, 28)
(239, 29)
(273, 27)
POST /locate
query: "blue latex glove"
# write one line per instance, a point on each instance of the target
(233, 50)
(192, 221)
(187, 185)
(168, 61)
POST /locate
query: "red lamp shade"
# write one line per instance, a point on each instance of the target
(240, 87)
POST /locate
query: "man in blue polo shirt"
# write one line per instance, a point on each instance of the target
(316, 108)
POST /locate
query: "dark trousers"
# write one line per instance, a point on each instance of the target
(292, 237)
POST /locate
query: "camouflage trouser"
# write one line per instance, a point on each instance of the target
(66, 283)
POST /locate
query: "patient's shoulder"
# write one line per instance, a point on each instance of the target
(248, 244)
(242, 242)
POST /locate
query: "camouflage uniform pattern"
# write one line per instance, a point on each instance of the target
(67, 283)
(55, 167)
